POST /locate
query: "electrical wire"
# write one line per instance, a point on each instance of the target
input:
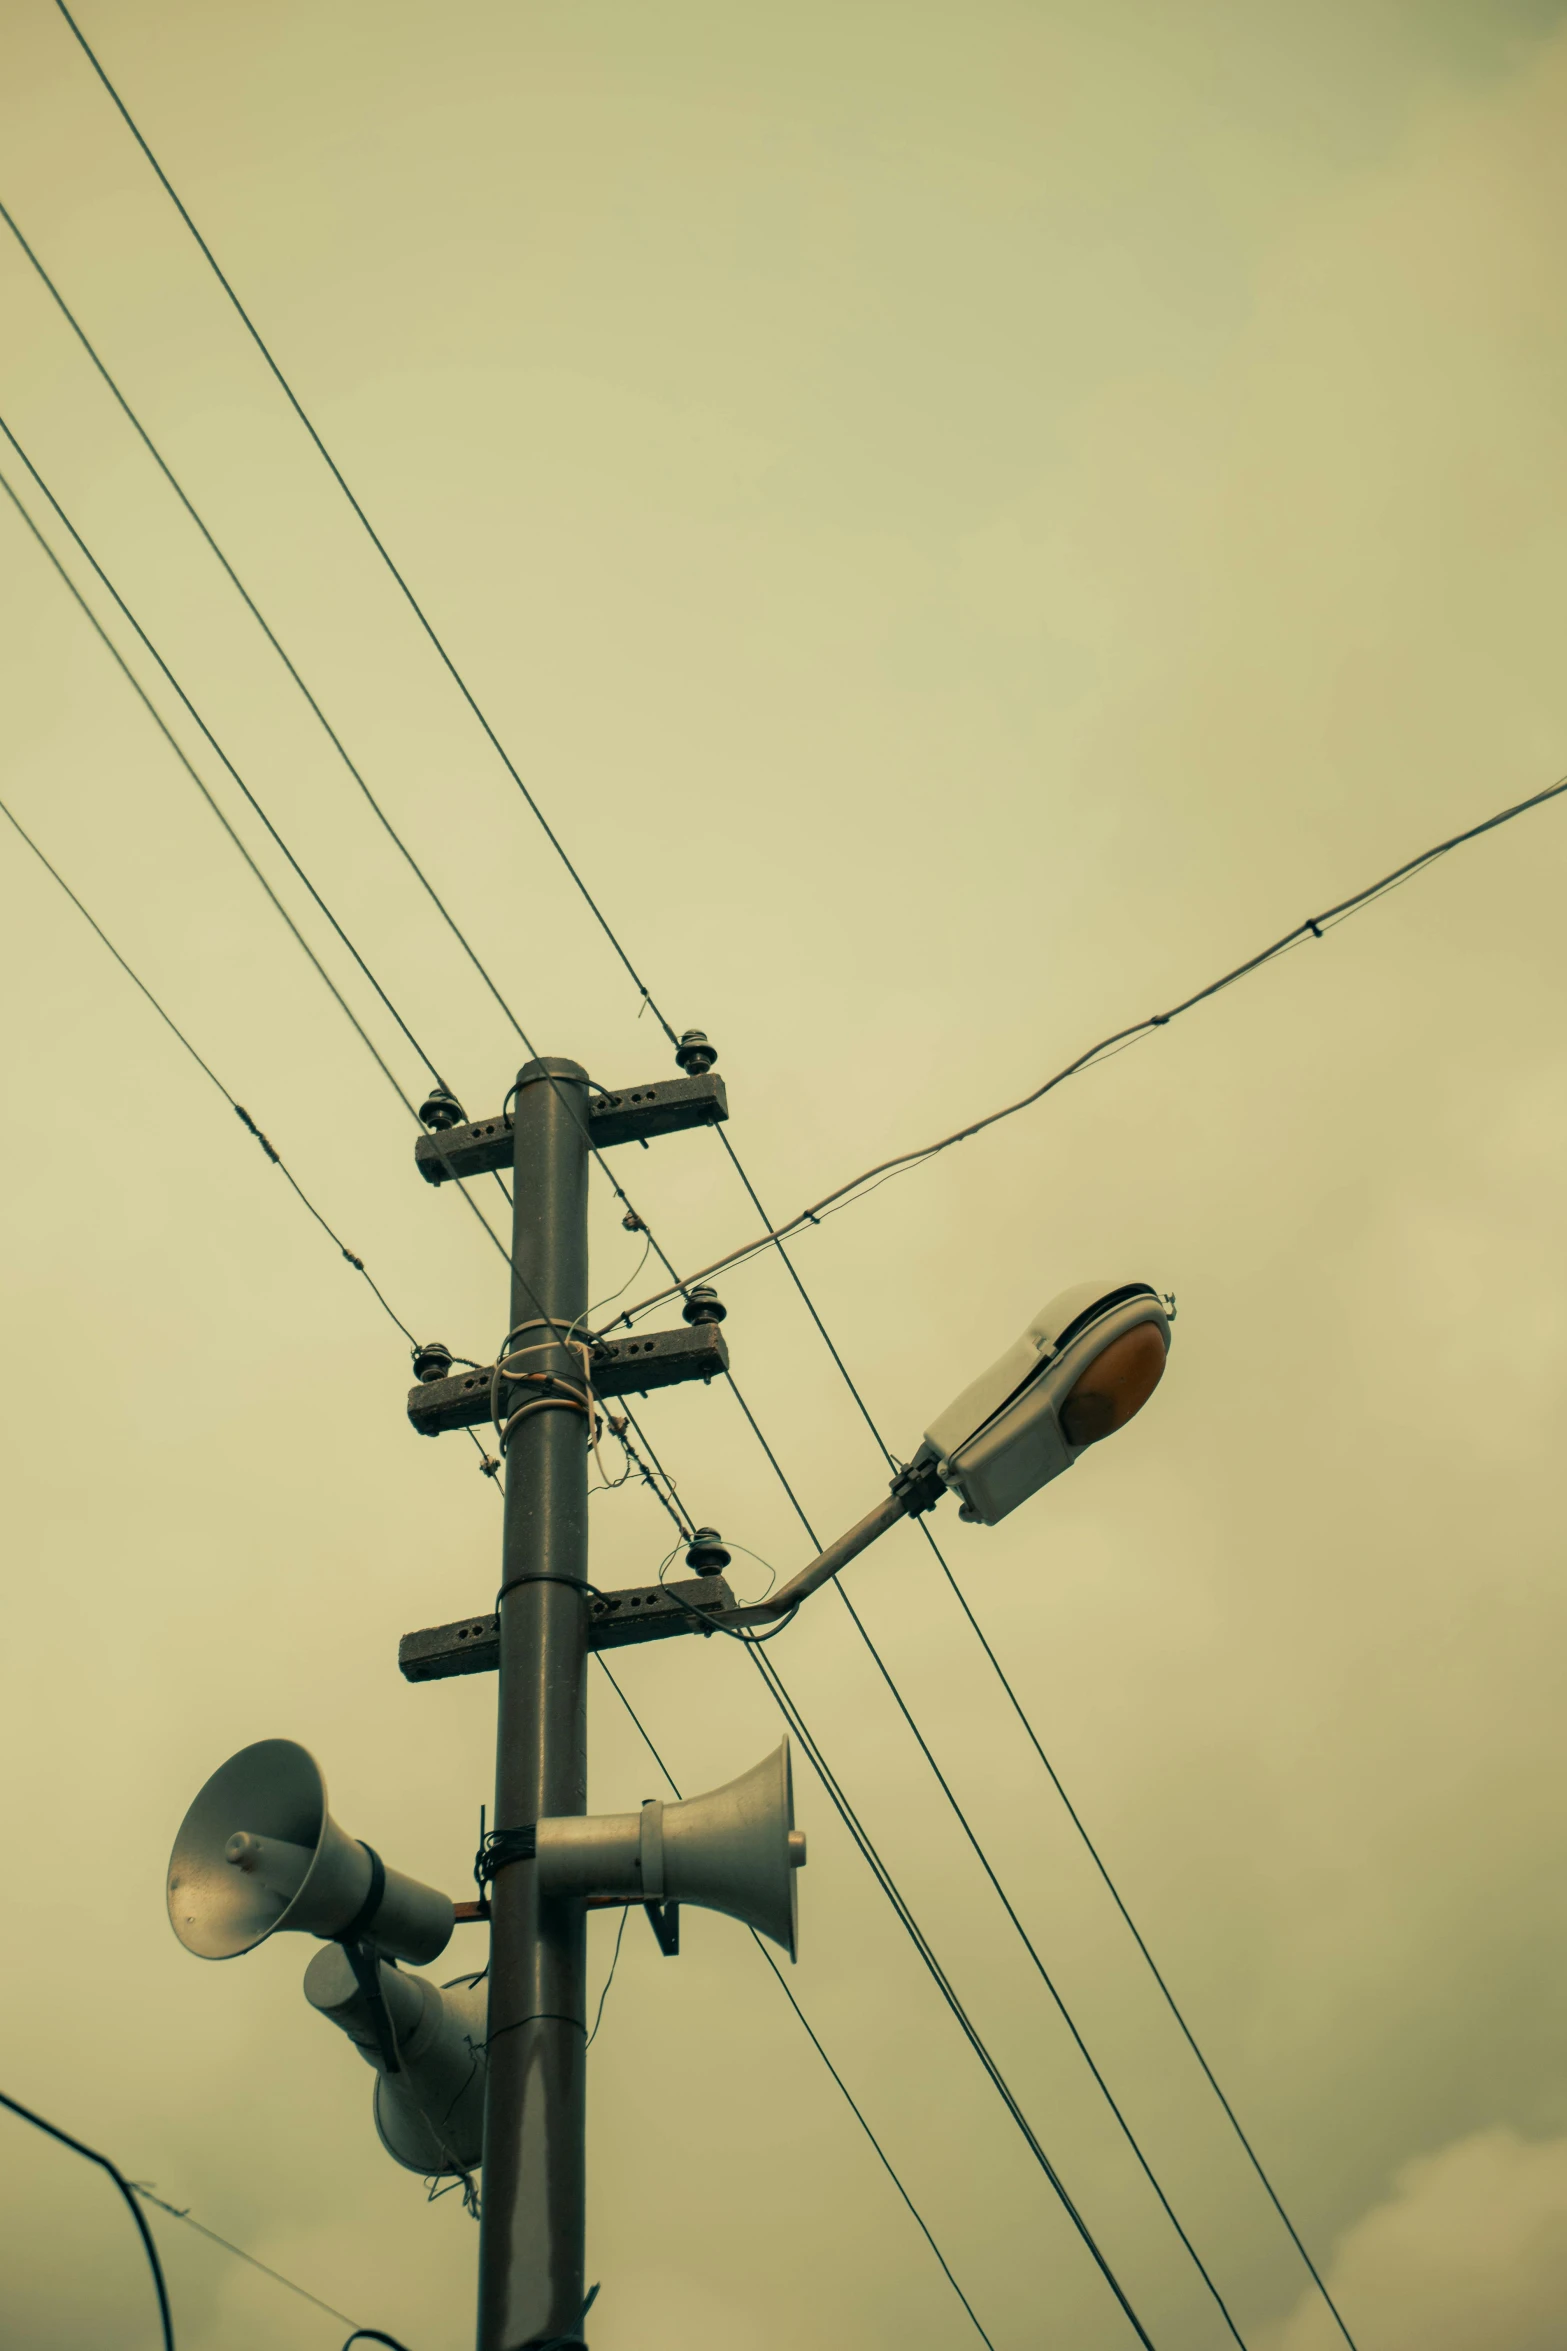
(879, 1870)
(882, 2156)
(176, 2212)
(270, 1150)
(268, 1147)
(194, 773)
(372, 534)
(126, 2189)
(182, 756)
(1132, 1928)
(256, 808)
(1314, 926)
(317, 712)
(598, 2017)
(776, 1684)
(265, 627)
(995, 1664)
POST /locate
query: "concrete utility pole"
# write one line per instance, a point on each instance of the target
(531, 2235)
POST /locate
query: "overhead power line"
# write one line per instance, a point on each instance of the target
(881, 2154)
(266, 629)
(207, 1071)
(198, 780)
(249, 796)
(776, 1684)
(1314, 926)
(126, 2190)
(268, 1147)
(1033, 1737)
(310, 699)
(906, 1919)
(178, 2212)
(371, 533)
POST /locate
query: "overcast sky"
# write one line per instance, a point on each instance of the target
(970, 521)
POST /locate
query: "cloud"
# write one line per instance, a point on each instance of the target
(1470, 2250)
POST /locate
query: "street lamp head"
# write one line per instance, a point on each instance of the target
(1086, 1363)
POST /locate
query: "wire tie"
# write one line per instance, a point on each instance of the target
(1313, 926)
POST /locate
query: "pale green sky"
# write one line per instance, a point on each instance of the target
(970, 520)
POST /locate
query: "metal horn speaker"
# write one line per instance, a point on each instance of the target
(429, 2115)
(258, 1853)
(736, 1850)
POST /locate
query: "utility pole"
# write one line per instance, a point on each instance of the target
(531, 2233)
(259, 1853)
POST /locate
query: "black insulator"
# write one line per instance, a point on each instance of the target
(694, 1054)
(441, 1109)
(707, 1555)
(703, 1304)
(432, 1361)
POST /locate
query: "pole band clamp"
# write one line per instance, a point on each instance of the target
(372, 1902)
(652, 1850)
(501, 1848)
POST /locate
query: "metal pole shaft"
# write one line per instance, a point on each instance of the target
(531, 2235)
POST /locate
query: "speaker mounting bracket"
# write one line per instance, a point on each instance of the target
(664, 1919)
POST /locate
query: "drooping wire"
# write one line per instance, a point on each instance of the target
(268, 1147)
(598, 2017)
(881, 2154)
(1314, 926)
(372, 534)
(126, 2189)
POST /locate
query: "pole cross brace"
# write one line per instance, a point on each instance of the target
(617, 1367)
(636, 1114)
(617, 1619)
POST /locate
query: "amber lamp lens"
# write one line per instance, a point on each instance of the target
(1116, 1384)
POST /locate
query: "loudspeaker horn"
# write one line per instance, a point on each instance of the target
(259, 1854)
(429, 2115)
(735, 1849)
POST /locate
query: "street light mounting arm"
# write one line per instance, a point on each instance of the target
(920, 1487)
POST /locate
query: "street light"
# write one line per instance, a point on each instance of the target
(1087, 1363)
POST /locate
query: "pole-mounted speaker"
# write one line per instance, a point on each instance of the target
(429, 2114)
(259, 1854)
(735, 1849)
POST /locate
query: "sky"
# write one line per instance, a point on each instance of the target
(969, 522)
